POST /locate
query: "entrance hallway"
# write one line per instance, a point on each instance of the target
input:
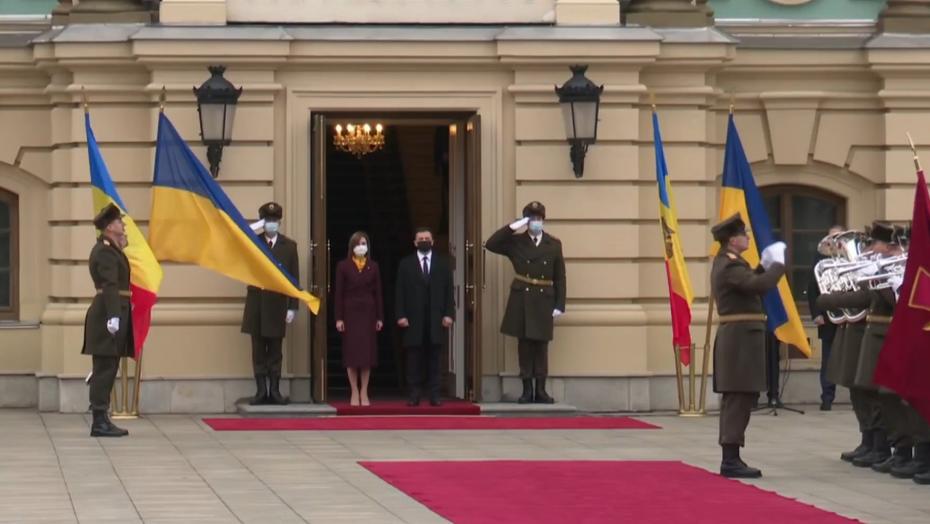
(174, 468)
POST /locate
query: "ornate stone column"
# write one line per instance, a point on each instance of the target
(670, 13)
(112, 11)
(905, 16)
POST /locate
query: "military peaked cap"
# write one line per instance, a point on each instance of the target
(534, 208)
(728, 227)
(271, 210)
(884, 232)
(107, 215)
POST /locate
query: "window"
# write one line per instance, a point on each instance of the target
(9, 256)
(801, 217)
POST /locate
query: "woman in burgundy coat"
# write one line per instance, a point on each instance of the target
(359, 314)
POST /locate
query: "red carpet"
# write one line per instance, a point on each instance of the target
(400, 407)
(589, 491)
(421, 423)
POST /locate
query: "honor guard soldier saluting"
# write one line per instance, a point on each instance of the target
(537, 295)
(108, 324)
(267, 313)
(739, 349)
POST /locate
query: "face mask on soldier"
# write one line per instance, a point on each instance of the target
(424, 246)
(536, 227)
(271, 227)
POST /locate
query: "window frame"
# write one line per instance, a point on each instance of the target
(786, 194)
(11, 312)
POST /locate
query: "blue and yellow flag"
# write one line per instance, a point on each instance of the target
(680, 293)
(740, 195)
(193, 221)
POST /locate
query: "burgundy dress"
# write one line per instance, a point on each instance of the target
(359, 306)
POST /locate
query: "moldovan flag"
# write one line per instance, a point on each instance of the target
(193, 221)
(146, 273)
(680, 293)
(740, 195)
(904, 362)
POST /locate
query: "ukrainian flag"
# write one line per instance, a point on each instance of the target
(740, 195)
(193, 221)
(680, 293)
(146, 273)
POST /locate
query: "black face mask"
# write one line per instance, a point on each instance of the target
(424, 246)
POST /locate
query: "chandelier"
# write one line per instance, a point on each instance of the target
(359, 139)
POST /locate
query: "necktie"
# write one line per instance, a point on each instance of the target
(425, 267)
(270, 244)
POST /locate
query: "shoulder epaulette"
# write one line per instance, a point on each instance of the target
(732, 256)
(106, 242)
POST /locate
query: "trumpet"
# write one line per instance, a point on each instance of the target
(888, 267)
(847, 256)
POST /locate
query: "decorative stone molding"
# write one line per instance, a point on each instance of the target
(905, 16)
(103, 11)
(670, 13)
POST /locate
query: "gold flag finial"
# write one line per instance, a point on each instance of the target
(84, 99)
(162, 98)
(652, 100)
(732, 103)
(910, 142)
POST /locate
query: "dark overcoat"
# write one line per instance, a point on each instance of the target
(844, 361)
(423, 302)
(109, 269)
(359, 305)
(265, 311)
(826, 332)
(529, 307)
(739, 348)
(881, 308)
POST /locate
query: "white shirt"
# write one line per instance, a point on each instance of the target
(273, 240)
(536, 239)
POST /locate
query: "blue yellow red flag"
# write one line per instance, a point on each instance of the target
(740, 195)
(193, 221)
(680, 292)
(145, 271)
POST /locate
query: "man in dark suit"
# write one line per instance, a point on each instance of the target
(537, 295)
(826, 332)
(424, 308)
(267, 313)
(108, 324)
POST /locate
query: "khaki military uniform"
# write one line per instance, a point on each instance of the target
(109, 269)
(739, 347)
(538, 288)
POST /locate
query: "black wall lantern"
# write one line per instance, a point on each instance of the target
(216, 105)
(581, 101)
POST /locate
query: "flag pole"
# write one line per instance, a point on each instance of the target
(162, 98)
(84, 100)
(910, 142)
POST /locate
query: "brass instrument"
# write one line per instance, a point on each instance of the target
(839, 272)
(888, 267)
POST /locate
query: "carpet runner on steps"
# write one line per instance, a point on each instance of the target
(560, 491)
(431, 423)
(400, 407)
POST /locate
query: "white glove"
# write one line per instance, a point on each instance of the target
(517, 224)
(290, 316)
(896, 281)
(557, 313)
(774, 254)
(258, 227)
(113, 325)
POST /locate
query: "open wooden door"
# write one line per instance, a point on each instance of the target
(319, 256)
(474, 259)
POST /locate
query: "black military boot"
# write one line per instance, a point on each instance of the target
(274, 396)
(527, 396)
(901, 456)
(864, 447)
(541, 396)
(101, 427)
(881, 450)
(733, 467)
(261, 391)
(919, 465)
(113, 427)
(922, 478)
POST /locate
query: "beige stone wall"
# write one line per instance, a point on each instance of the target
(840, 129)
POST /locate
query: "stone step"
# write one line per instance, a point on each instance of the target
(318, 410)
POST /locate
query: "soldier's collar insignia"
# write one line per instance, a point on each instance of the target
(732, 256)
(106, 242)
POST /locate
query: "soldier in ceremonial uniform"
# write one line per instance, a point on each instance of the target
(267, 313)
(739, 348)
(537, 295)
(842, 369)
(108, 324)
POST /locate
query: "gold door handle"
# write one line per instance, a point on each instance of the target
(328, 256)
(484, 265)
(312, 284)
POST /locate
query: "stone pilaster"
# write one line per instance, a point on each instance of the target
(905, 16)
(108, 11)
(587, 12)
(670, 13)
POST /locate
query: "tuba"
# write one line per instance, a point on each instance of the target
(846, 256)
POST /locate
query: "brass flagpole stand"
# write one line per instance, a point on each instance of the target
(123, 404)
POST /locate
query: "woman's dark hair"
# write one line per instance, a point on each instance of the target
(356, 239)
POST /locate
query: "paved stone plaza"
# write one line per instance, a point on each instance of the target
(173, 468)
